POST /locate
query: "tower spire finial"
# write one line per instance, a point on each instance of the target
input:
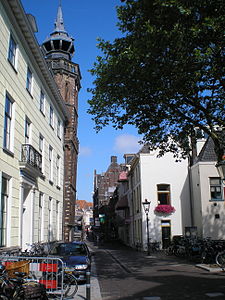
(59, 24)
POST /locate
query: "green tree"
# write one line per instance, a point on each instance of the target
(165, 74)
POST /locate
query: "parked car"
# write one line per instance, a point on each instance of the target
(76, 257)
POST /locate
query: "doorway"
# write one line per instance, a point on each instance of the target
(166, 233)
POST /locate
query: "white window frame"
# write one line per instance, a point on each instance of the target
(59, 129)
(29, 82)
(58, 170)
(27, 131)
(4, 206)
(42, 102)
(40, 216)
(50, 157)
(215, 185)
(8, 124)
(12, 52)
(51, 116)
(41, 150)
(166, 192)
(50, 201)
(57, 219)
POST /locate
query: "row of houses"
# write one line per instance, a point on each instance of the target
(186, 197)
(38, 126)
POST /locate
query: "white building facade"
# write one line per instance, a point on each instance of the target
(208, 194)
(32, 117)
(164, 182)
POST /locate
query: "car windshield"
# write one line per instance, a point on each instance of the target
(69, 249)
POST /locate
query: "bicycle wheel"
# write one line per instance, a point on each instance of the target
(70, 285)
(2, 297)
(220, 259)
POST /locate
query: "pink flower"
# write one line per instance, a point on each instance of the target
(164, 209)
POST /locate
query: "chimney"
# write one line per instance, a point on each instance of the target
(113, 159)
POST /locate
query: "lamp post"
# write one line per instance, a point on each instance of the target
(146, 206)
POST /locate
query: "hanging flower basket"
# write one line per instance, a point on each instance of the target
(164, 209)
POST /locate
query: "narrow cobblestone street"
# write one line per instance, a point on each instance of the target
(127, 274)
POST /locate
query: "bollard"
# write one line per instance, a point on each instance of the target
(88, 286)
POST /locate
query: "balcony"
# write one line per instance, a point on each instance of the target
(31, 160)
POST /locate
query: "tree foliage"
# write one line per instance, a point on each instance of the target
(165, 74)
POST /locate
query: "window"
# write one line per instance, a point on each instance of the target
(40, 216)
(41, 143)
(12, 51)
(27, 131)
(8, 124)
(29, 80)
(58, 171)
(3, 210)
(57, 219)
(51, 117)
(50, 164)
(42, 152)
(163, 191)
(50, 219)
(42, 102)
(215, 189)
(59, 128)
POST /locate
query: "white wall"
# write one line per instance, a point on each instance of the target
(25, 105)
(165, 170)
(205, 209)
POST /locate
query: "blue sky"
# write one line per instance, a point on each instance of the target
(86, 20)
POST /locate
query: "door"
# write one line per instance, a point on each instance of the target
(166, 233)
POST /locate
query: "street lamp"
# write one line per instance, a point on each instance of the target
(146, 206)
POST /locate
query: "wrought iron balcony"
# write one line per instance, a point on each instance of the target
(31, 157)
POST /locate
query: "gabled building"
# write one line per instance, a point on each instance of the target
(32, 121)
(163, 182)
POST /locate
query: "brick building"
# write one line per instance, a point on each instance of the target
(58, 50)
(104, 186)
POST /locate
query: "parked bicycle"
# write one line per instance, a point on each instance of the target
(196, 249)
(18, 289)
(220, 259)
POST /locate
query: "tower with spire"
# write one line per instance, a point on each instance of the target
(59, 49)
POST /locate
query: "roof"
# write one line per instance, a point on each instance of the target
(83, 204)
(207, 153)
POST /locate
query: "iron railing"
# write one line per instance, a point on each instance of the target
(31, 156)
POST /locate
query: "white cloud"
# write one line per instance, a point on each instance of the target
(85, 151)
(127, 143)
